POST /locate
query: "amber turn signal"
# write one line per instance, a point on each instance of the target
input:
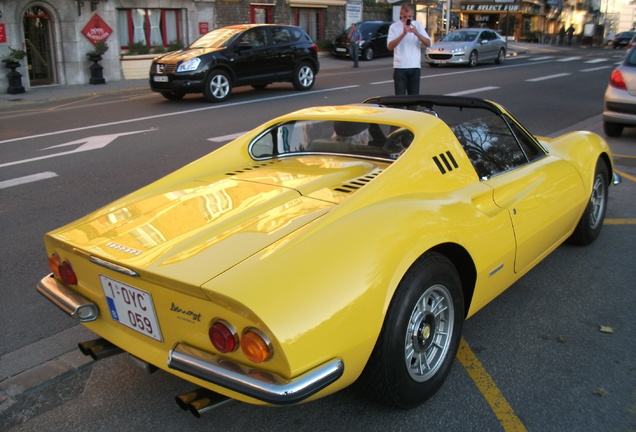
(256, 346)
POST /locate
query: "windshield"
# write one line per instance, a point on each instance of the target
(340, 137)
(216, 38)
(460, 36)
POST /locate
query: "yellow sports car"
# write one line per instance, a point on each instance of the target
(332, 245)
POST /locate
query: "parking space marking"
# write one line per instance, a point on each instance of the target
(624, 175)
(619, 222)
(498, 403)
(477, 90)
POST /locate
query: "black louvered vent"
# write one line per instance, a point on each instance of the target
(249, 168)
(356, 184)
(445, 162)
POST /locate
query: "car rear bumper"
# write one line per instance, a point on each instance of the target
(68, 300)
(261, 385)
(251, 382)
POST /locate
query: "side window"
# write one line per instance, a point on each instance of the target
(256, 37)
(383, 31)
(490, 145)
(281, 36)
(531, 149)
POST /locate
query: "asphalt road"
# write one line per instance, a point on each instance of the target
(544, 346)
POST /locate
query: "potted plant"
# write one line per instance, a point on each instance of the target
(12, 61)
(95, 55)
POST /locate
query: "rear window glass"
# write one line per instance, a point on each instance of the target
(334, 137)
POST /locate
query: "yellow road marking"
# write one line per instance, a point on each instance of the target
(504, 412)
(619, 222)
(625, 175)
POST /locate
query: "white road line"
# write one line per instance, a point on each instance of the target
(548, 77)
(541, 58)
(567, 59)
(213, 107)
(226, 137)
(477, 90)
(598, 60)
(595, 69)
(27, 179)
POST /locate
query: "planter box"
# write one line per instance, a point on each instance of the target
(136, 66)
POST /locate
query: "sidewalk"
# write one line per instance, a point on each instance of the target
(61, 92)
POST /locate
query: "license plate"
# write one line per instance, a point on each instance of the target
(160, 78)
(131, 307)
(341, 49)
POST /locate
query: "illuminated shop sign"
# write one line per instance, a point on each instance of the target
(490, 7)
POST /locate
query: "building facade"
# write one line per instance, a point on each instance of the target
(57, 35)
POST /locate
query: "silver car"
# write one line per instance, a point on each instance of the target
(467, 46)
(619, 106)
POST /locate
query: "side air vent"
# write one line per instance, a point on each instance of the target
(249, 168)
(356, 184)
(445, 162)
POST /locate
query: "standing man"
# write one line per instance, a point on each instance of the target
(354, 44)
(405, 39)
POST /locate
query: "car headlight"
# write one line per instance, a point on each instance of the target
(458, 50)
(189, 65)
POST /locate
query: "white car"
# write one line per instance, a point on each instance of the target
(619, 105)
(467, 46)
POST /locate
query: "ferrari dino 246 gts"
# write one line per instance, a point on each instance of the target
(332, 245)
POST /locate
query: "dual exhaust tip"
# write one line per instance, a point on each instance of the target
(197, 402)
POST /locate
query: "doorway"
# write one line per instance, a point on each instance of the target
(38, 37)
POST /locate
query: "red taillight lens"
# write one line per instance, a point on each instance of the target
(62, 270)
(617, 80)
(314, 47)
(223, 336)
(255, 346)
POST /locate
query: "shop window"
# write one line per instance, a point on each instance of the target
(150, 27)
(261, 14)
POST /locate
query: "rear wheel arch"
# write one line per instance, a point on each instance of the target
(465, 266)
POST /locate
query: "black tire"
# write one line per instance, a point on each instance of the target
(218, 86)
(420, 336)
(173, 95)
(591, 222)
(501, 56)
(613, 130)
(433, 65)
(304, 77)
(473, 59)
(368, 54)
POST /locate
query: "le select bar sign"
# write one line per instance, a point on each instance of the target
(491, 7)
(96, 30)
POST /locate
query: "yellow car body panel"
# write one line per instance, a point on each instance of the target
(278, 245)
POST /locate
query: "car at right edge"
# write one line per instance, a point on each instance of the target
(619, 105)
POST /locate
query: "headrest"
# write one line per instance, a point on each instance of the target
(347, 129)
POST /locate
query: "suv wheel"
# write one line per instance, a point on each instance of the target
(304, 76)
(217, 86)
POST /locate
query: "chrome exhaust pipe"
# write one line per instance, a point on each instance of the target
(99, 349)
(201, 401)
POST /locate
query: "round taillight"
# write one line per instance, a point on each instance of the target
(54, 265)
(67, 274)
(223, 336)
(256, 346)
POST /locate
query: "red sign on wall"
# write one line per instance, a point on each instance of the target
(3, 34)
(96, 29)
(203, 28)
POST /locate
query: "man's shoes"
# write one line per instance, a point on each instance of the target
(355, 66)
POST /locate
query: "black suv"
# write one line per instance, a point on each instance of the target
(374, 35)
(240, 55)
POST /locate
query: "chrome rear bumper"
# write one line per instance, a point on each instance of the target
(256, 384)
(68, 300)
